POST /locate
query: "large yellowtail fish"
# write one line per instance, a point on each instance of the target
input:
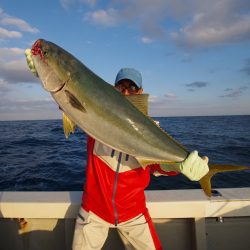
(104, 113)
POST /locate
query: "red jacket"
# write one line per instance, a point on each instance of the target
(115, 183)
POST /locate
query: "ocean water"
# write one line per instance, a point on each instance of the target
(35, 156)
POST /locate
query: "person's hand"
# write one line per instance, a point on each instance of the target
(194, 167)
(30, 62)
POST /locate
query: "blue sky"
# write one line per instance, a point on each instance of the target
(194, 55)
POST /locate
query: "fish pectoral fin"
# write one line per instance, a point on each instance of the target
(205, 181)
(68, 126)
(74, 102)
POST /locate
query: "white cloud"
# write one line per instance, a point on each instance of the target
(66, 3)
(16, 71)
(19, 109)
(9, 34)
(146, 40)
(145, 15)
(152, 99)
(7, 20)
(170, 96)
(203, 33)
(19, 23)
(108, 18)
(27, 104)
(13, 66)
(6, 53)
(166, 105)
(198, 24)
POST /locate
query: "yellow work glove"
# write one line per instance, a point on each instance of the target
(194, 167)
(30, 62)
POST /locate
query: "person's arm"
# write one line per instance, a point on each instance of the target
(193, 167)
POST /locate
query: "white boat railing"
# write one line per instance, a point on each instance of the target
(181, 210)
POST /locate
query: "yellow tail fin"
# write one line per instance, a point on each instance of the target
(205, 182)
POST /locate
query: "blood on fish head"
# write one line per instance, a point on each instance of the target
(36, 49)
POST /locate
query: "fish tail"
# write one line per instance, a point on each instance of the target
(205, 181)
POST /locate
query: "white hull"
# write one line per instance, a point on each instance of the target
(184, 219)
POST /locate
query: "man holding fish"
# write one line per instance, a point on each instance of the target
(114, 189)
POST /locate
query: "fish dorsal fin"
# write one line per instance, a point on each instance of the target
(68, 126)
